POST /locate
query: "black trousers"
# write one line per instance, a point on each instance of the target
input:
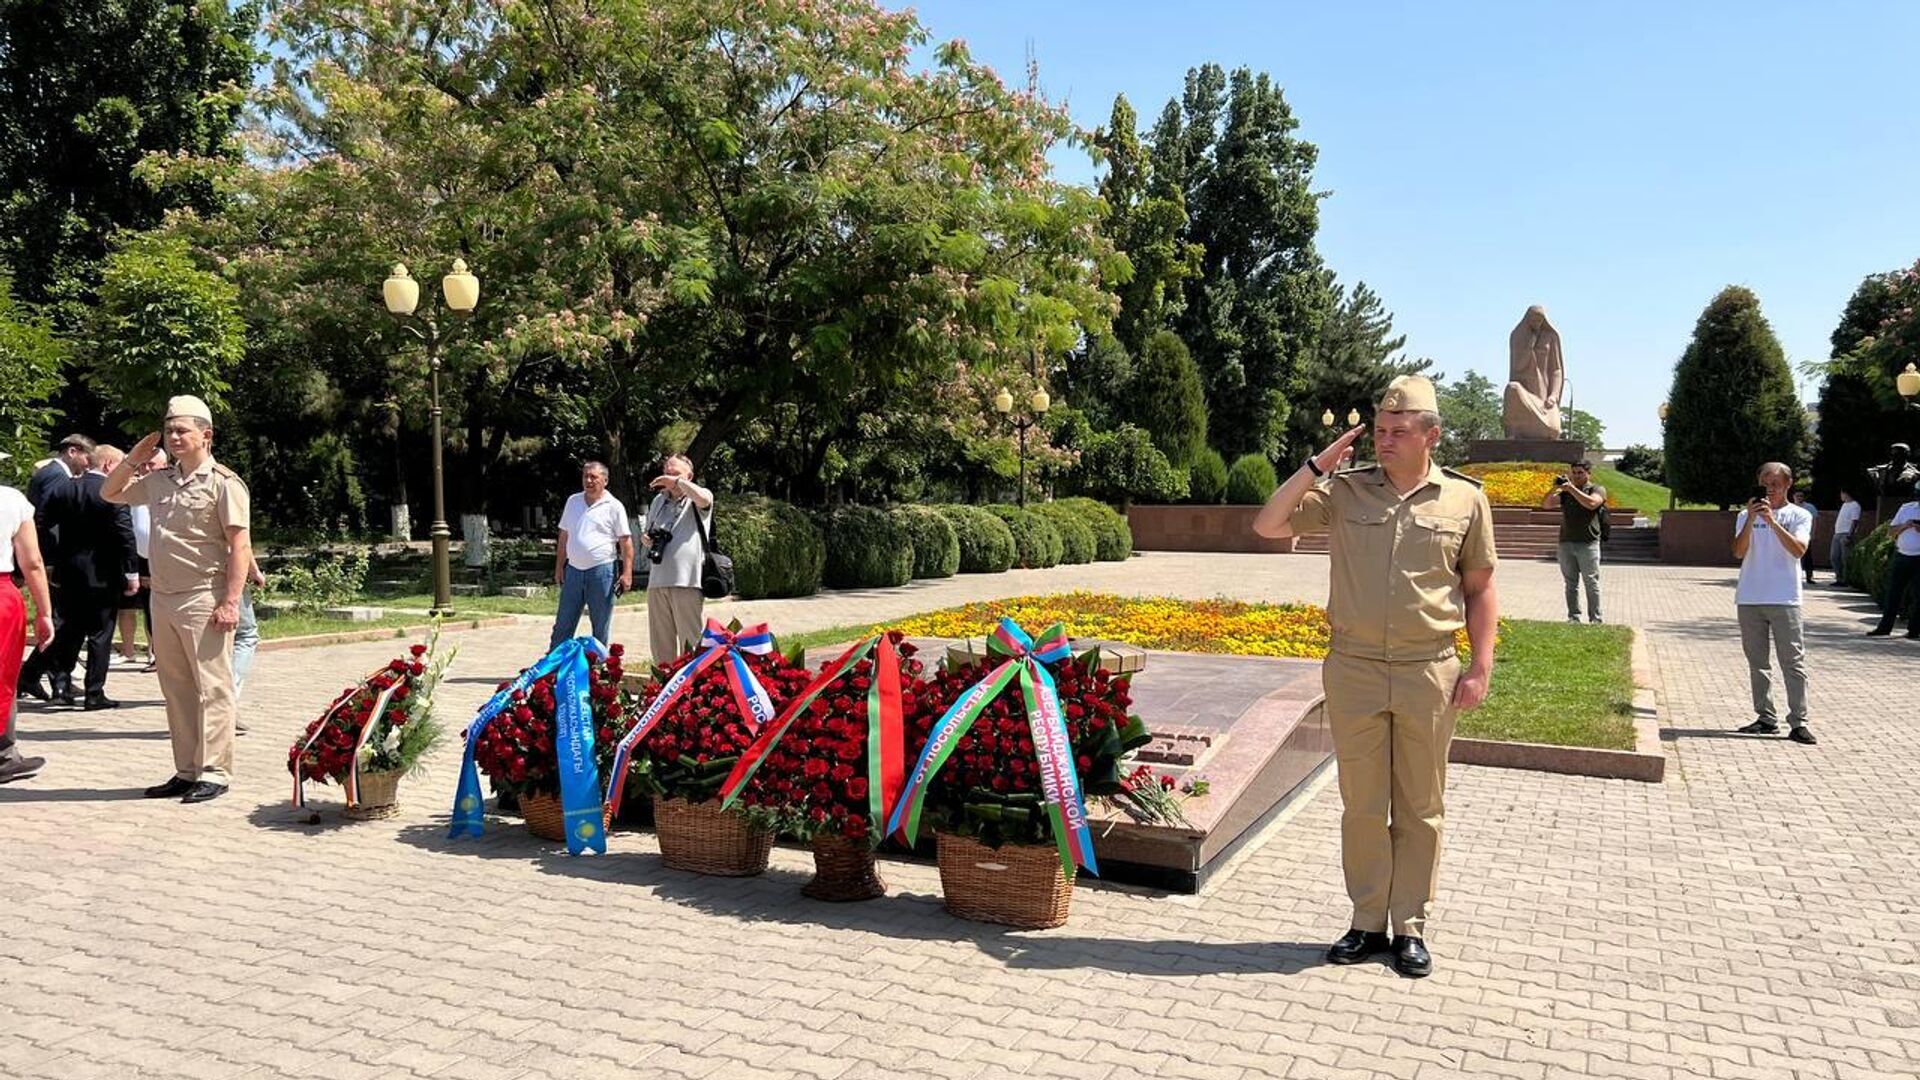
(1903, 573)
(87, 618)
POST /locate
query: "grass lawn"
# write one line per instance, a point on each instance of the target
(293, 625)
(488, 605)
(1562, 683)
(1648, 498)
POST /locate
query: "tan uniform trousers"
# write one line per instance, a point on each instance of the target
(195, 663)
(674, 621)
(1392, 724)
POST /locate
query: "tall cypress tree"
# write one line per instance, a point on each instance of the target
(1733, 405)
(1355, 357)
(1165, 398)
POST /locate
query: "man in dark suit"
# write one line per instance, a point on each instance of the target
(95, 565)
(54, 478)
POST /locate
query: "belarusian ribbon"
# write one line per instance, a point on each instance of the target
(886, 727)
(379, 710)
(572, 742)
(718, 644)
(299, 766)
(1052, 745)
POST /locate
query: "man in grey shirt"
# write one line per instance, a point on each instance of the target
(680, 510)
(1581, 503)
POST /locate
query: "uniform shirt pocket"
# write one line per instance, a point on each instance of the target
(1444, 535)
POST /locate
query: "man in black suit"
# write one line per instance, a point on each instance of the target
(54, 478)
(95, 565)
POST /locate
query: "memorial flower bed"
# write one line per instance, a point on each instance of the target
(1515, 483)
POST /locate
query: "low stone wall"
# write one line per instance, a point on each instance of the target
(1200, 528)
(1705, 537)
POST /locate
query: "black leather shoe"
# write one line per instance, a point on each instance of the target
(1802, 736)
(15, 767)
(66, 700)
(99, 701)
(172, 788)
(1356, 945)
(203, 791)
(1877, 632)
(1760, 727)
(1410, 957)
(33, 688)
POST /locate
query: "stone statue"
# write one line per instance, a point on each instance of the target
(1538, 376)
(1898, 475)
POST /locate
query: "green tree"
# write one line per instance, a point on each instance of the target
(1145, 218)
(89, 87)
(1254, 312)
(1166, 400)
(1356, 355)
(1583, 427)
(1251, 480)
(31, 358)
(163, 326)
(1123, 466)
(1732, 405)
(1207, 478)
(1470, 410)
(1860, 411)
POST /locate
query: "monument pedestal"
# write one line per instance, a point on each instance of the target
(1552, 451)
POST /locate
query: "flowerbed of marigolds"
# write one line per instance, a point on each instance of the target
(1510, 483)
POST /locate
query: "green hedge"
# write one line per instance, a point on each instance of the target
(1207, 479)
(986, 543)
(866, 548)
(936, 545)
(776, 549)
(1251, 480)
(1076, 536)
(1034, 538)
(1112, 539)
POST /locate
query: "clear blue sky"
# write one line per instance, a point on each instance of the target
(1619, 163)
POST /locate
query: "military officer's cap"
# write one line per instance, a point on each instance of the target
(188, 407)
(1410, 393)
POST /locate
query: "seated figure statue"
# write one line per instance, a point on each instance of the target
(1537, 377)
(1897, 475)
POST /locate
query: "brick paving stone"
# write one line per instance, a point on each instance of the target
(1750, 917)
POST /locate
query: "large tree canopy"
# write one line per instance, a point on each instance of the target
(1732, 406)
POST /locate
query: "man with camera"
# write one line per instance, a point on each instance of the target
(1583, 508)
(593, 530)
(1769, 537)
(678, 528)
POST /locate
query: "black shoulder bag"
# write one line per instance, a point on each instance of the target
(716, 570)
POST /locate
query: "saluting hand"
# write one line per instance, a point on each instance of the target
(142, 451)
(1340, 450)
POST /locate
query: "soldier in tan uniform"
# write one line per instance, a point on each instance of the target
(1412, 562)
(199, 555)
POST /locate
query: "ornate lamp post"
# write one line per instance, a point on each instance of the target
(461, 291)
(1037, 404)
(1908, 383)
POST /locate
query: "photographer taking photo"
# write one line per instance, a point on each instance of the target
(1769, 537)
(675, 540)
(1583, 508)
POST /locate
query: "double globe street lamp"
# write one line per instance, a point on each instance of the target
(461, 290)
(1037, 403)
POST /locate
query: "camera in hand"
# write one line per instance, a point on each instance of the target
(1758, 494)
(657, 541)
(1559, 480)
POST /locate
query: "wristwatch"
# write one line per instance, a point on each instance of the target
(1314, 468)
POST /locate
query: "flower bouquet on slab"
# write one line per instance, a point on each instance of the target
(829, 768)
(547, 737)
(373, 733)
(1021, 739)
(706, 710)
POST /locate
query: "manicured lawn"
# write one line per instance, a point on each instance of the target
(1648, 498)
(1560, 683)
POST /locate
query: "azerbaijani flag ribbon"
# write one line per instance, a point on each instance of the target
(299, 780)
(572, 744)
(886, 727)
(1052, 746)
(718, 644)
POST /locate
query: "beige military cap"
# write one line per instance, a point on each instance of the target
(1410, 393)
(186, 405)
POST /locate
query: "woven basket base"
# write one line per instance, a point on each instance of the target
(700, 838)
(843, 871)
(379, 797)
(545, 818)
(1016, 885)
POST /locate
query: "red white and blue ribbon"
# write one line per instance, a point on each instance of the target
(1052, 745)
(717, 645)
(299, 766)
(886, 728)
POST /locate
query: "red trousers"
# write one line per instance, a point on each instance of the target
(13, 641)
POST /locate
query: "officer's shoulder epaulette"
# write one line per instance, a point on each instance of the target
(1356, 470)
(222, 470)
(1457, 475)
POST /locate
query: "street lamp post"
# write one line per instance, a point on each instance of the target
(1908, 383)
(1671, 500)
(1037, 403)
(461, 291)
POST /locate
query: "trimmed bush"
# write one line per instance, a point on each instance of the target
(1036, 542)
(776, 549)
(1251, 480)
(1076, 536)
(1207, 479)
(1123, 465)
(986, 543)
(936, 546)
(1868, 564)
(867, 548)
(1112, 539)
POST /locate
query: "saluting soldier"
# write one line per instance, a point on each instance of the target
(199, 555)
(1412, 562)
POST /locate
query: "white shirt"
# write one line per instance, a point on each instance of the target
(1907, 543)
(593, 532)
(14, 509)
(1768, 575)
(142, 528)
(1849, 517)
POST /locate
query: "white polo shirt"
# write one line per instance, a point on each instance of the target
(1908, 543)
(593, 532)
(1769, 575)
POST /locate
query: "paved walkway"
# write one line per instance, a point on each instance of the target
(1752, 917)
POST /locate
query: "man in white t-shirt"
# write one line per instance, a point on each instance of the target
(1844, 527)
(1769, 537)
(595, 551)
(1904, 569)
